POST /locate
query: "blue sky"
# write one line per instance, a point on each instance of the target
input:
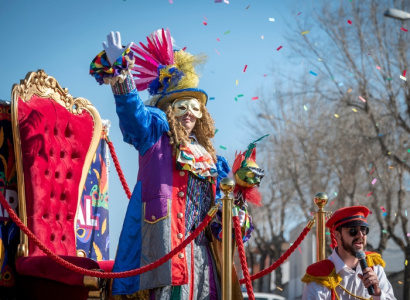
(62, 37)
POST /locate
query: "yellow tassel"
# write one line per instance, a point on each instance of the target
(375, 259)
(331, 281)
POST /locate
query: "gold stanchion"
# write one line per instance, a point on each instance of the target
(321, 201)
(227, 185)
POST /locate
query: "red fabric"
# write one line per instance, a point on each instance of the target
(348, 214)
(54, 144)
(43, 289)
(106, 265)
(45, 267)
(321, 268)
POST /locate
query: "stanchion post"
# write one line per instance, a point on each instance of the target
(227, 185)
(320, 200)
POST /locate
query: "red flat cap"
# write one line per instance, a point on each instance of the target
(349, 216)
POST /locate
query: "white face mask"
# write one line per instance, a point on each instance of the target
(182, 105)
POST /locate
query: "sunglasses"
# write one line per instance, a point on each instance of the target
(353, 231)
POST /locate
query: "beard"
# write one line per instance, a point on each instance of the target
(352, 249)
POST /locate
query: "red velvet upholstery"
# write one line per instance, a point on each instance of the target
(54, 144)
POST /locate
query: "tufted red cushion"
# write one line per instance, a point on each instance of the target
(54, 144)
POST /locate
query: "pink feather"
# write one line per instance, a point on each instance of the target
(148, 57)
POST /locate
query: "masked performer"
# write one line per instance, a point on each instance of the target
(179, 170)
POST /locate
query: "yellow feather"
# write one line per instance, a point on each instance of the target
(104, 226)
(97, 252)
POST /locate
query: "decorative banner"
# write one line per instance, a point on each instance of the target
(9, 232)
(92, 218)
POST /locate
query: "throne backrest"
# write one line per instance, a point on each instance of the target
(55, 139)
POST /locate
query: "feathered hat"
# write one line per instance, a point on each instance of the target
(167, 74)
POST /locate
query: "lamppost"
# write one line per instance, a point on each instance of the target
(397, 14)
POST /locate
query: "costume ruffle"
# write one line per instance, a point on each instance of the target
(194, 158)
(104, 72)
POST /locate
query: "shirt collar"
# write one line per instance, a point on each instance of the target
(193, 137)
(337, 261)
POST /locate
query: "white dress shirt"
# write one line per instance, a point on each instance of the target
(350, 281)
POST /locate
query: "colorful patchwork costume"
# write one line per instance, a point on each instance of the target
(175, 187)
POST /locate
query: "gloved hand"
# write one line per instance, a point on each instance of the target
(242, 217)
(113, 47)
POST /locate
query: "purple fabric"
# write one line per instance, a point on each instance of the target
(155, 174)
(213, 293)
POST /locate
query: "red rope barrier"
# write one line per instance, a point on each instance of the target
(282, 258)
(83, 271)
(118, 168)
(241, 252)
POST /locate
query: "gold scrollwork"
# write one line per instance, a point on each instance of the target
(40, 84)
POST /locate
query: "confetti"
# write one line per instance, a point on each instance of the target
(236, 99)
(319, 59)
(183, 49)
(216, 130)
(279, 288)
(378, 68)
(262, 37)
(236, 82)
(271, 19)
(333, 202)
(217, 52)
(299, 14)
(305, 32)
(341, 84)
(226, 1)
(205, 23)
(348, 21)
(403, 78)
(240, 95)
(384, 214)
(280, 47)
(170, 1)
(349, 90)
(336, 115)
(212, 98)
(327, 233)
(389, 78)
(218, 1)
(369, 194)
(403, 29)
(255, 98)
(405, 212)
(244, 69)
(304, 107)
(405, 262)
(218, 39)
(222, 147)
(248, 6)
(408, 234)
(382, 208)
(313, 73)
(399, 282)
(374, 181)
(361, 98)
(300, 250)
(227, 32)
(354, 109)
(404, 73)
(384, 231)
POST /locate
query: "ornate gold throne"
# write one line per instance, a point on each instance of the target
(55, 138)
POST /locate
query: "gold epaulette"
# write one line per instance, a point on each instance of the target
(373, 259)
(324, 273)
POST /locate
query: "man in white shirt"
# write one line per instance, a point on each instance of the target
(341, 276)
